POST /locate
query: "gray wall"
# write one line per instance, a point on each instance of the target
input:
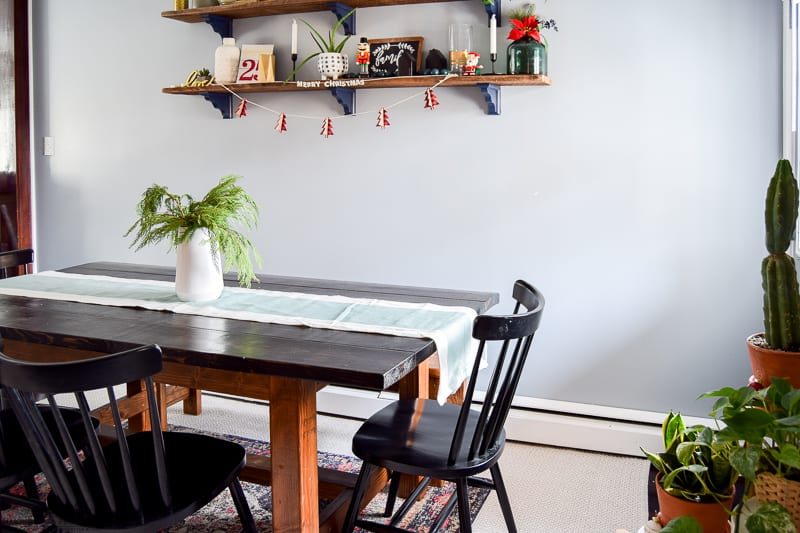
(631, 191)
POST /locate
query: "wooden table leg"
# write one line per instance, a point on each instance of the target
(293, 445)
(413, 385)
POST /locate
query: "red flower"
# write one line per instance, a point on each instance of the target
(527, 27)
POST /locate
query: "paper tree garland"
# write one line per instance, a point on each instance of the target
(327, 127)
(327, 123)
(280, 126)
(383, 119)
(241, 111)
(430, 99)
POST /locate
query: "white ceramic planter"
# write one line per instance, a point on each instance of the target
(198, 272)
(331, 65)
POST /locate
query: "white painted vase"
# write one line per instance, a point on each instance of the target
(198, 272)
(331, 65)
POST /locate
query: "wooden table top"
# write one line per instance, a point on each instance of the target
(359, 360)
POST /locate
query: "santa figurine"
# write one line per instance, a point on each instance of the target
(362, 58)
(472, 63)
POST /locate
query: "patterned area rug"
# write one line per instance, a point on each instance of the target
(220, 515)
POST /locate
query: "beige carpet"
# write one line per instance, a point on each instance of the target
(552, 490)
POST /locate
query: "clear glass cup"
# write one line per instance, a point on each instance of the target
(460, 45)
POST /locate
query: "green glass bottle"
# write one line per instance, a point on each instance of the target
(527, 56)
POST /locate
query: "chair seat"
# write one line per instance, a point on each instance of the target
(198, 466)
(413, 436)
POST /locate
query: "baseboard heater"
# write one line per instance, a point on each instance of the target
(537, 421)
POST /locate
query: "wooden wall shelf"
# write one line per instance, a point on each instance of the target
(489, 85)
(261, 8)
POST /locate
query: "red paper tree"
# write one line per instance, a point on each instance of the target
(280, 126)
(383, 118)
(430, 99)
(327, 128)
(241, 111)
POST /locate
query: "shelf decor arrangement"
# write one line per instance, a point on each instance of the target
(220, 18)
(200, 231)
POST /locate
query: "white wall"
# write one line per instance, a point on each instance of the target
(631, 191)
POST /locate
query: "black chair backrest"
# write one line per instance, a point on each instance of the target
(14, 259)
(84, 486)
(515, 332)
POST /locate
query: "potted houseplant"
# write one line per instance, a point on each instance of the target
(767, 422)
(695, 476)
(200, 230)
(332, 62)
(776, 352)
(527, 53)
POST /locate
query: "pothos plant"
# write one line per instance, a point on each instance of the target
(164, 216)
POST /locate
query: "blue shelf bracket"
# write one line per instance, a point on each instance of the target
(491, 93)
(341, 9)
(346, 98)
(222, 102)
(493, 9)
(222, 25)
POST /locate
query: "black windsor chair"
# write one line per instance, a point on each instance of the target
(141, 482)
(450, 442)
(13, 259)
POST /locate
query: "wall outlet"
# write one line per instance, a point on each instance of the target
(49, 146)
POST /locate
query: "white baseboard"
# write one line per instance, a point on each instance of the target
(538, 421)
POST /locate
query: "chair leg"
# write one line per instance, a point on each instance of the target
(502, 495)
(355, 500)
(391, 498)
(464, 519)
(32, 492)
(240, 502)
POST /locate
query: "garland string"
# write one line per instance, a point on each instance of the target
(250, 103)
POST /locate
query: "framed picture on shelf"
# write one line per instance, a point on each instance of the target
(398, 56)
(256, 64)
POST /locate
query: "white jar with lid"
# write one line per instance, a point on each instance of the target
(226, 61)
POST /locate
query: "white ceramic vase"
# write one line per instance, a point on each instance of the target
(198, 272)
(331, 65)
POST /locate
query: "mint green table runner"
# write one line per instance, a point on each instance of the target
(449, 327)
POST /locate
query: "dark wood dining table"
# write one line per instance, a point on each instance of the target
(285, 365)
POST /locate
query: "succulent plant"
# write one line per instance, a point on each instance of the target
(778, 273)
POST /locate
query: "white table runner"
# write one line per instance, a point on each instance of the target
(449, 327)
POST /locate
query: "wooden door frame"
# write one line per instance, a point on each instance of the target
(22, 123)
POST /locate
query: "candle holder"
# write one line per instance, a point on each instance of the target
(294, 67)
(493, 57)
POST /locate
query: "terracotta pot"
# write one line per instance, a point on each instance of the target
(768, 363)
(712, 516)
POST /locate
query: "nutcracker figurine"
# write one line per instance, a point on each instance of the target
(362, 58)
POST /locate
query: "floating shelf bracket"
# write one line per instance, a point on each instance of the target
(492, 9)
(222, 102)
(222, 25)
(491, 93)
(346, 98)
(341, 9)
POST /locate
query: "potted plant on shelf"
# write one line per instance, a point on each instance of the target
(695, 476)
(767, 421)
(200, 231)
(332, 63)
(776, 352)
(527, 53)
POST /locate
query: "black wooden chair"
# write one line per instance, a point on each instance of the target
(454, 443)
(141, 482)
(11, 260)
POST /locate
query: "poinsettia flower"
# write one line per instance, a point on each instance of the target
(527, 27)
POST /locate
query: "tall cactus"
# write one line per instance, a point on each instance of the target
(779, 277)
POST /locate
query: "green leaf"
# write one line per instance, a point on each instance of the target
(770, 517)
(745, 461)
(683, 524)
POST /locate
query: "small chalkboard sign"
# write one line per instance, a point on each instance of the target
(398, 56)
